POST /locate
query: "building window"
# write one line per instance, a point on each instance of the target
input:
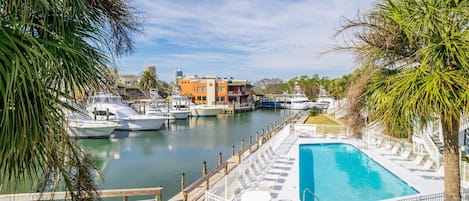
(222, 98)
(199, 98)
(201, 89)
(221, 89)
(204, 98)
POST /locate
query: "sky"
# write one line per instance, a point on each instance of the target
(244, 39)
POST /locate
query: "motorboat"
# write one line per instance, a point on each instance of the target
(178, 101)
(178, 105)
(81, 125)
(176, 113)
(106, 106)
(205, 110)
(158, 106)
(298, 100)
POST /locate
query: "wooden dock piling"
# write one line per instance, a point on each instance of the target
(196, 190)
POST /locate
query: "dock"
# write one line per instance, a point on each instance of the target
(236, 108)
(196, 190)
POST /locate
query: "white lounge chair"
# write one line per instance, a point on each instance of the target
(427, 166)
(417, 161)
(403, 157)
(438, 174)
(393, 151)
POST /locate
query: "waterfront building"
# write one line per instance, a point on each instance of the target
(128, 80)
(127, 85)
(212, 90)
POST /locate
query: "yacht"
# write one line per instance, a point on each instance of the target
(178, 101)
(205, 110)
(177, 113)
(298, 101)
(182, 106)
(177, 110)
(81, 125)
(183, 103)
(110, 107)
(153, 109)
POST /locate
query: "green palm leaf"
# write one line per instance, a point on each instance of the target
(51, 52)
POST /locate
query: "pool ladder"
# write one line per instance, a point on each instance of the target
(310, 192)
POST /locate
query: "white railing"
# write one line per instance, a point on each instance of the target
(464, 171)
(240, 179)
(111, 193)
(374, 139)
(429, 145)
(212, 197)
(317, 130)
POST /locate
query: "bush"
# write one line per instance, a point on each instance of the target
(314, 111)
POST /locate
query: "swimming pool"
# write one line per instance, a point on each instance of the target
(342, 172)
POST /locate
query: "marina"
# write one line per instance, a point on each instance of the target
(96, 105)
(179, 146)
(265, 166)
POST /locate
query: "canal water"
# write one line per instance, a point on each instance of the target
(158, 158)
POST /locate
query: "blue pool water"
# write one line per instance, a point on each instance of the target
(342, 172)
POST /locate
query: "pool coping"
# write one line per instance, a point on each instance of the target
(289, 188)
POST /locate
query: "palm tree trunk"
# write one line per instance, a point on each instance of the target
(451, 159)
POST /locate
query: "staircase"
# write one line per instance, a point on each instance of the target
(437, 142)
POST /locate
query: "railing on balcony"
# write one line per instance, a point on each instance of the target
(235, 93)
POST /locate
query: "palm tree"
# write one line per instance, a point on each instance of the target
(420, 50)
(52, 51)
(147, 82)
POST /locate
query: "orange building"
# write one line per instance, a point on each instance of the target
(213, 90)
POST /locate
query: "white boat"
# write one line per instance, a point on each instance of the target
(159, 106)
(298, 101)
(178, 114)
(324, 97)
(81, 125)
(91, 128)
(205, 110)
(110, 107)
(183, 103)
(178, 101)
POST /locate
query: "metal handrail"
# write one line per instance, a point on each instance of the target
(309, 191)
(430, 146)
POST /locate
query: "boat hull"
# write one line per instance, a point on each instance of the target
(205, 111)
(302, 106)
(91, 129)
(141, 123)
(180, 114)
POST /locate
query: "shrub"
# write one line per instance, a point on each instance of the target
(314, 111)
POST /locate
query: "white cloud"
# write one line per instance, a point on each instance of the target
(219, 37)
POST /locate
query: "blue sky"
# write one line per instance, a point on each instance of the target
(248, 40)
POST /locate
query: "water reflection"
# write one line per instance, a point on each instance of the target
(145, 142)
(157, 158)
(178, 124)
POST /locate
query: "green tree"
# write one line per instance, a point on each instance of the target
(51, 51)
(420, 49)
(148, 81)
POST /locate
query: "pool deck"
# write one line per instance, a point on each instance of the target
(287, 188)
(272, 172)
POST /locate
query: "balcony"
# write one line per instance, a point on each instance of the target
(235, 93)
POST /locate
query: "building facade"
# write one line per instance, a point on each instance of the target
(151, 69)
(212, 90)
(128, 80)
